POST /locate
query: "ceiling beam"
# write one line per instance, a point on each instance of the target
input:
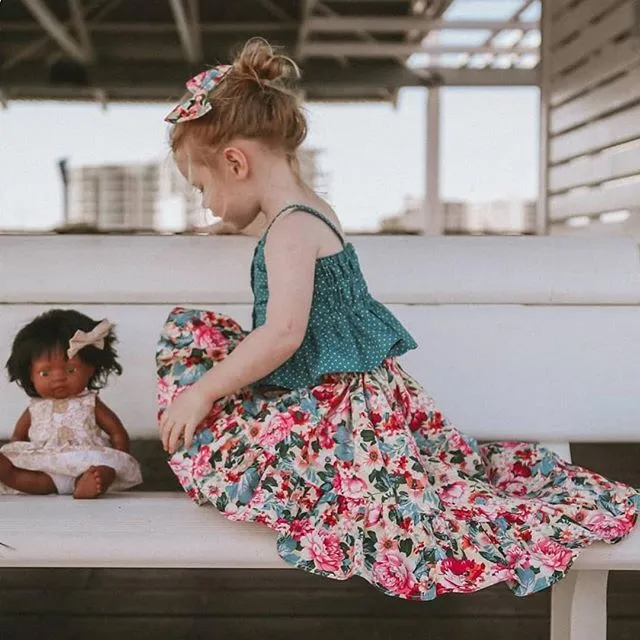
(158, 81)
(98, 7)
(515, 17)
(57, 30)
(391, 50)
(327, 11)
(409, 23)
(80, 26)
(196, 31)
(275, 10)
(163, 27)
(306, 12)
(186, 31)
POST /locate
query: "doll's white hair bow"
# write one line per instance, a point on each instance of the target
(95, 338)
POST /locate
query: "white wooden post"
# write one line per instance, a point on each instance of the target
(579, 606)
(542, 217)
(434, 219)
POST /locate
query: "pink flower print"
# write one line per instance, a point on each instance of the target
(208, 339)
(202, 462)
(165, 392)
(520, 470)
(464, 514)
(608, 527)
(355, 487)
(171, 332)
(373, 515)
(456, 442)
(460, 575)
(323, 549)
(180, 465)
(517, 557)
(489, 511)
(388, 543)
(298, 529)
(392, 572)
(515, 488)
(394, 424)
(276, 430)
(418, 420)
(452, 492)
(253, 432)
(193, 493)
(325, 434)
(552, 555)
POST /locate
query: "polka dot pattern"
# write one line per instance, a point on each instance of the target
(348, 330)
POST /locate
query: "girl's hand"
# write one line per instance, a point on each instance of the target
(182, 417)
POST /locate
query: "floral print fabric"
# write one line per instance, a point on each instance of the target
(362, 475)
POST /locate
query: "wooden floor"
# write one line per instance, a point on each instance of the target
(238, 605)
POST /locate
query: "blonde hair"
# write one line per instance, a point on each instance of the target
(255, 100)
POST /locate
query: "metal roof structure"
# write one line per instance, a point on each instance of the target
(144, 50)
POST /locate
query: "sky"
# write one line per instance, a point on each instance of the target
(373, 154)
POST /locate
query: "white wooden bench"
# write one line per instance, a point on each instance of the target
(521, 338)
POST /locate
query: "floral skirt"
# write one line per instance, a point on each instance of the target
(362, 475)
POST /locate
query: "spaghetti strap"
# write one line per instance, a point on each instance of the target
(313, 212)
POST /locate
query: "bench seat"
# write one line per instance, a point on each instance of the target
(140, 530)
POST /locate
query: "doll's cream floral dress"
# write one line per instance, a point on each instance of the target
(65, 440)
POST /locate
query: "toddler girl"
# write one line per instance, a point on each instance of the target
(308, 424)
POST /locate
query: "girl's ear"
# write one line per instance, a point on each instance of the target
(236, 161)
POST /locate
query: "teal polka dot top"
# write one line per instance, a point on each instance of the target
(348, 330)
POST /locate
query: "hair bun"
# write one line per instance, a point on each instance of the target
(257, 100)
(260, 63)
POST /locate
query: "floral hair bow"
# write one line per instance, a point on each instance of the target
(196, 103)
(95, 338)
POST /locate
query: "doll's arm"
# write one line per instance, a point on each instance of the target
(21, 430)
(109, 422)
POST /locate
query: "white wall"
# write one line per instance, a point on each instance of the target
(592, 80)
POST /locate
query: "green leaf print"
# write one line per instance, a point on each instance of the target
(222, 502)
(406, 546)
(368, 435)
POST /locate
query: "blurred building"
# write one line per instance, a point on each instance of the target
(114, 196)
(625, 222)
(496, 217)
(150, 196)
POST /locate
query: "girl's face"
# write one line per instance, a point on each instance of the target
(54, 376)
(226, 187)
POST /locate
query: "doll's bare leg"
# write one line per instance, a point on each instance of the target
(24, 480)
(94, 482)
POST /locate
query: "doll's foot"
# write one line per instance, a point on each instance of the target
(93, 482)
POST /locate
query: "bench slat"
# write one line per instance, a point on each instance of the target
(500, 372)
(137, 529)
(166, 530)
(416, 270)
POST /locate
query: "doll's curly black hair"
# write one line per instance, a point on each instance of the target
(52, 331)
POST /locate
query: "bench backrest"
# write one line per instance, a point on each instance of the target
(520, 338)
